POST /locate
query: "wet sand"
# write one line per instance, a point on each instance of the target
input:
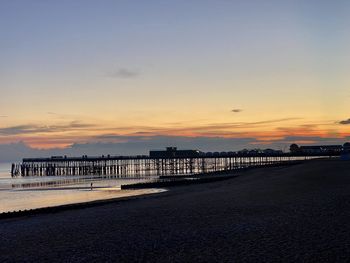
(39, 192)
(299, 213)
(27, 199)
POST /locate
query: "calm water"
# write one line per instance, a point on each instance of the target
(5, 169)
(35, 192)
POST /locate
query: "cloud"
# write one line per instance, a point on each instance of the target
(127, 145)
(345, 122)
(68, 133)
(124, 73)
(212, 129)
(33, 129)
(236, 110)
(3, 116)
(135, 145)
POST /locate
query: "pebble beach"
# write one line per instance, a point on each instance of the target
(296, 213)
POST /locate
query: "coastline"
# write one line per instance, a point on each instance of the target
(294, 213)
(126, 191)
(136, 194)
(59, 205)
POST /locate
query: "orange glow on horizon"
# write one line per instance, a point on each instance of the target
(65, 134)
(263, 137)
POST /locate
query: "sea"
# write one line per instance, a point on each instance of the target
(21, 193)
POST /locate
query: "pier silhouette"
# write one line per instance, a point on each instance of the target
(159, 163)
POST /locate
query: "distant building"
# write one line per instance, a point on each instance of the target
(321, 148)
(294, 148)
(174, 152)
(317, 149)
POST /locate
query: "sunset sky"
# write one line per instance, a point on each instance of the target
(77, 72)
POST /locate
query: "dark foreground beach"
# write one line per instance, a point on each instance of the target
(299, 213)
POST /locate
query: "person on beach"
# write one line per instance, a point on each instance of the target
(91, 186)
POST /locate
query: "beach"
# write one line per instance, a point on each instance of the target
(296, 213)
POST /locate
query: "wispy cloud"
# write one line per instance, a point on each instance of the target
(236, 125)
(3, 116)
(345, 122)
(236, 110)
(64, 134)
(123, 73)
(34, 129)
(234, 129)
(219, 129)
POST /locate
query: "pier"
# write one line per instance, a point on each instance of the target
(157, 163)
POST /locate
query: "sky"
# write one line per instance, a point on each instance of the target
(245, 73)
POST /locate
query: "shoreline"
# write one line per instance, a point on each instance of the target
(78, 205)
(176, 181)
(181, 180)
(157, 187)
(289, 214)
